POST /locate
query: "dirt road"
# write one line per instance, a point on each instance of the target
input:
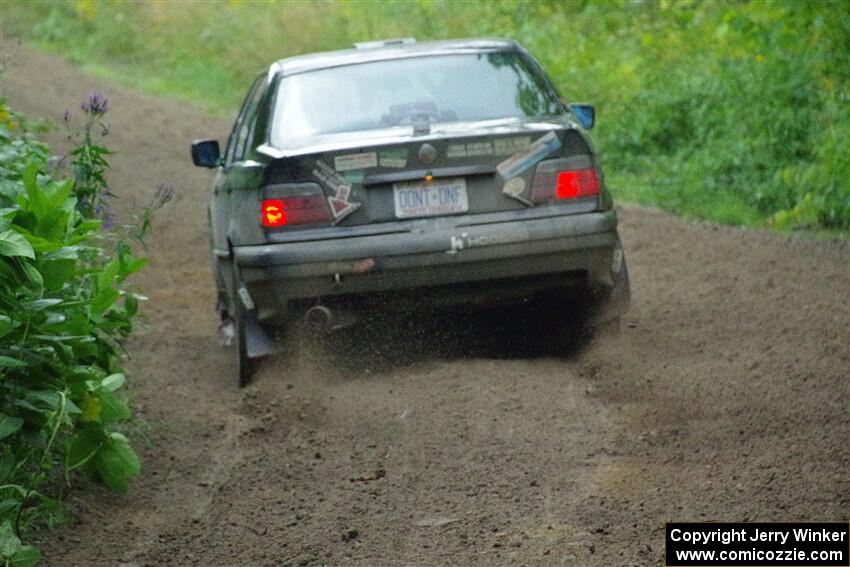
(455, 442)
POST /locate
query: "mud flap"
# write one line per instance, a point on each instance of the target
(615, 301)
(257, 341)
(252, 342)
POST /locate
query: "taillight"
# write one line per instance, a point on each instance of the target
(273, 214)
(564, 179)
(580, 183)
(294, 210)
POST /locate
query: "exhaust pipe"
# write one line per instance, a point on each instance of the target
(319, 319)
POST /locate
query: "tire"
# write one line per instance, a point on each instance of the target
(559, 322)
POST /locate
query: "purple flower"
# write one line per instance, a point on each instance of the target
(95, 104)
(103, 211)
(105, 214)
(56, 162)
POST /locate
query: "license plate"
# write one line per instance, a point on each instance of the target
(430, 198)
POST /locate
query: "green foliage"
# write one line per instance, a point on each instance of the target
(13, 552)
(65, 309)
(730, 110)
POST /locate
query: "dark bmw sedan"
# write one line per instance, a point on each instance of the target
(439, 174)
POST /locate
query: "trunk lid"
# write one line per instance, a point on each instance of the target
(388, 175)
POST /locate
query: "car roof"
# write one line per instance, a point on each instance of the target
(390, 50)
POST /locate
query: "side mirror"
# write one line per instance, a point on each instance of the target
(205, 153)
(585, 113)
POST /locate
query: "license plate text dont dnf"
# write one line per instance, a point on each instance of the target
(437, 197)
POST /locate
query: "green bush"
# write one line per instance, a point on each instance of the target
(64, 311)
(731, 110)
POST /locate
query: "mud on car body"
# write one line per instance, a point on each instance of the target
(433, 173)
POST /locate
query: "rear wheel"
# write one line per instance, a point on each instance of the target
(558, 317)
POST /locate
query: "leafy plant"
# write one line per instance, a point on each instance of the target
(65, 310)
(13, 552)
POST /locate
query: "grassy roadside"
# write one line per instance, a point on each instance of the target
(730, 111)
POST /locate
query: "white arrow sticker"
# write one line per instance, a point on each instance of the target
(339, 203)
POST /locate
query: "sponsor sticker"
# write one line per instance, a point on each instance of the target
(328, 176)
(471, 149)
(427, 153)
(525, 159)
(465, 240)
(395, 158)
(356, 161)
(514, 186)
(354, 177)
(514, 189)
(456, 151)
(509, 146)
(339, 203)
(479, 149)
(341, 207)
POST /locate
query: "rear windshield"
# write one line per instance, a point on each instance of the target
(382, 94)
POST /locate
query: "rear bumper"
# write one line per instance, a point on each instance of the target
(585, 244)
